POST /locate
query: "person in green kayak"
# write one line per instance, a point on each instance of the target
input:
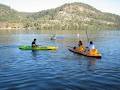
(34, 43)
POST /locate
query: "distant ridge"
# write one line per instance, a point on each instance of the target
(71, 16)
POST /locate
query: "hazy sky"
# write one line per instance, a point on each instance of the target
(112, 6)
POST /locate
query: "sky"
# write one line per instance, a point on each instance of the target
(111, 6)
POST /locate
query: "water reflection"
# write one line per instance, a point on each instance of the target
(61, 68)
(34, 54)
(91, 64)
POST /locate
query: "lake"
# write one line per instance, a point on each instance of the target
(60, 69)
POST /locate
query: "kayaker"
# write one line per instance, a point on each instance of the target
(91, 46)
(34, 43)
(91, 49)
(80, 46)
(80, 43)
(53, 37)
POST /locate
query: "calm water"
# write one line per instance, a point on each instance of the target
(61, 69)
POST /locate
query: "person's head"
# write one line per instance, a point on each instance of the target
(80, 42)
(34, 39)
(91, 42)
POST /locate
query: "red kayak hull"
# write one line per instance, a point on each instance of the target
(81, 53)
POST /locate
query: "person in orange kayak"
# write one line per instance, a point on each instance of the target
(80, 46)
(34, 43)
(91, 46)
(80, 43)
(91, 49)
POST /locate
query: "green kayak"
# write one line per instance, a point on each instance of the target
(26, 47)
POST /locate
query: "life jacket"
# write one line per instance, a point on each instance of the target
(93, 52)
(81, 48)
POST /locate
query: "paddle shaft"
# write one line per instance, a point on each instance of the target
(87, 36)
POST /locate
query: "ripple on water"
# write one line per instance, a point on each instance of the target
(61, 69)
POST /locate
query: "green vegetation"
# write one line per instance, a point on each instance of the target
(74, 16)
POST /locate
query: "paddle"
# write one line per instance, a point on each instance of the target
(70, 46)
(87, 36)
(38, 45)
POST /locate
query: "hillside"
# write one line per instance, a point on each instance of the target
(76, 16)
(71, 16)
(8, 14)
(10, 18)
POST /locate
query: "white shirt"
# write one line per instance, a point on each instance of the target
(91, 46)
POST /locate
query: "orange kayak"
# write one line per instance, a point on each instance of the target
(95, 54)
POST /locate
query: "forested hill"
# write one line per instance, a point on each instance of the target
(71, 16)
(8, 14)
